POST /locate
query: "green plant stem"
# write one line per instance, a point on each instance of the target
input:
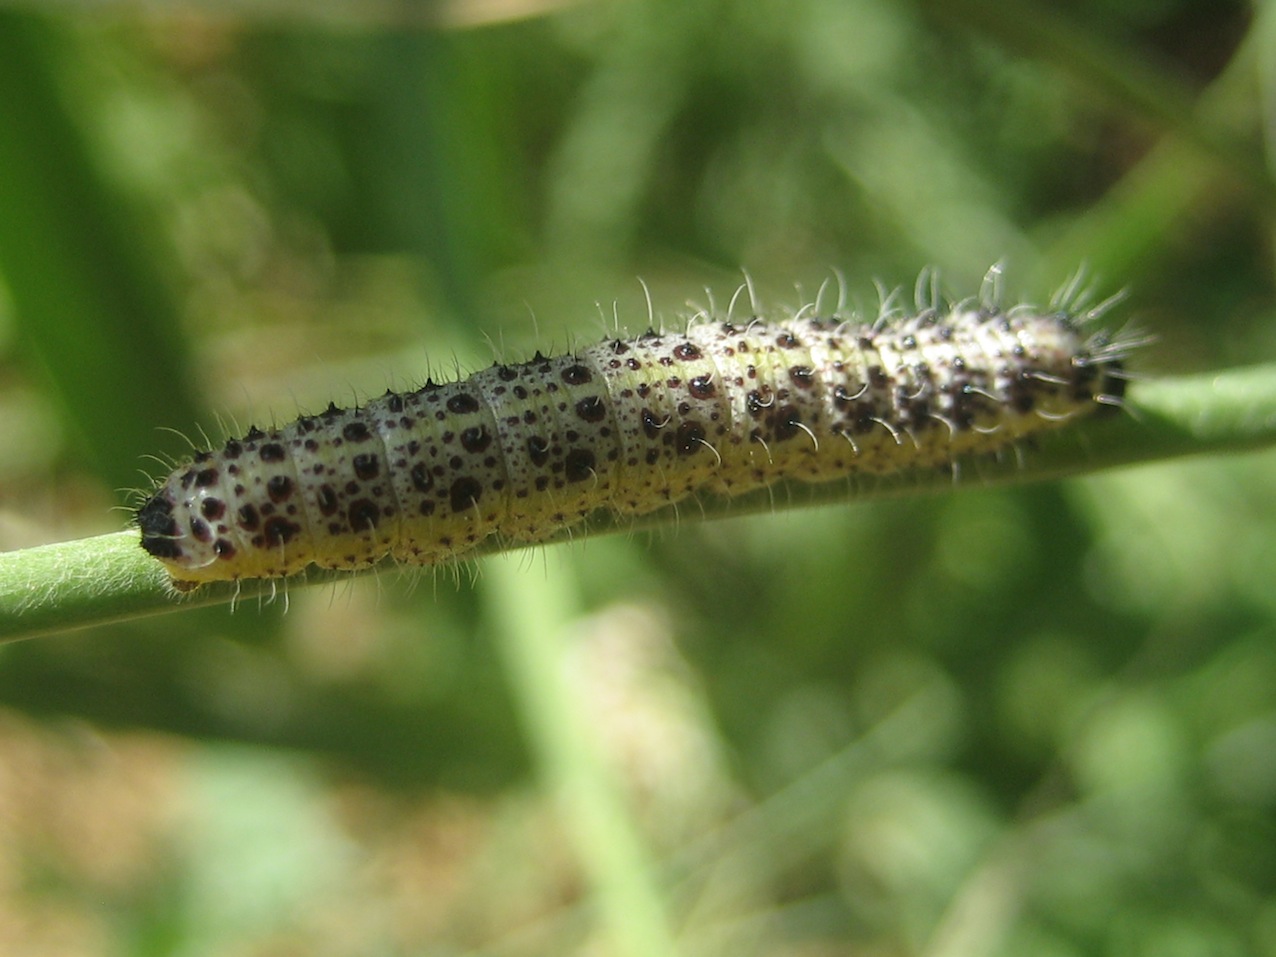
(109, 578)
(532, 617)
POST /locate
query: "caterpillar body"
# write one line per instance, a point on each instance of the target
(522, 451)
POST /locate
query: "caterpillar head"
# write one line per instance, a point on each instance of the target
(181, 540)
(198, 525)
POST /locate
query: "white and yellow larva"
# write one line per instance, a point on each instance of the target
(523, 451)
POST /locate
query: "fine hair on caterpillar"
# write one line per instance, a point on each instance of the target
(727, 406)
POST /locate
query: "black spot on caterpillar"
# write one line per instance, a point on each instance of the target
(524, 450)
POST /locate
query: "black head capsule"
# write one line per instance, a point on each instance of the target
(159, 528)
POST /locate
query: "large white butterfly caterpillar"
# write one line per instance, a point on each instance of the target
(632, 425)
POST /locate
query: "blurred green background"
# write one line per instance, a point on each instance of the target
(1030, 721)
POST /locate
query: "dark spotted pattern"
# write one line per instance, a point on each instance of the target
(630, 425)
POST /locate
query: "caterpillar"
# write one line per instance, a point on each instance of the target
(522, 451)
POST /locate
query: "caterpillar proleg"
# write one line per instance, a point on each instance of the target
(523, 450)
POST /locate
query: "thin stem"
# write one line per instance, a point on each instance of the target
(109, 578)
(533, 618)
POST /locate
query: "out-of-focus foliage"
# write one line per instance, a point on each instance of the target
(1040, 721)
